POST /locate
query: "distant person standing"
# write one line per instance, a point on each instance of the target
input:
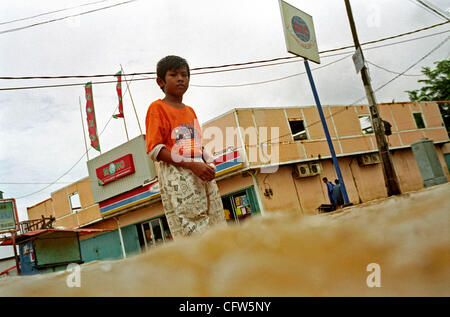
(329, 190)
(337, 194)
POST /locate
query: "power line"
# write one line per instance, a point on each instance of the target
(56, 11)
(234, 69)
(424, 8)
(66, 17)
(377, 89)
(432, 9)
(237, 64)
(76, 163)
(266, 142)
(270, 80)
(421, 59)
(390, 71)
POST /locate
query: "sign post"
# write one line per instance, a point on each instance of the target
(301, 40)
(9, 222)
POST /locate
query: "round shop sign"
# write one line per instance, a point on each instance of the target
(300, 28)
(112, 168)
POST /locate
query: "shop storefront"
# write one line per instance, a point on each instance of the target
(153, 232)
(240, 205)
(125, 186)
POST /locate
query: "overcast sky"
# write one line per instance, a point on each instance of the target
(40, 129)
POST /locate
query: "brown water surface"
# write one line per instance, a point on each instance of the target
(284, 255)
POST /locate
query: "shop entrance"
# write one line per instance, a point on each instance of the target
(240, 205)
(153, 233)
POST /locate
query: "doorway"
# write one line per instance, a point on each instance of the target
(153, 233)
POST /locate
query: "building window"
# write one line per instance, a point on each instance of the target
(298, 130)
(75, 204)
(418, 118)
(240, 205)
(366, 124)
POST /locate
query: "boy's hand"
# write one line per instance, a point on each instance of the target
(204, 171)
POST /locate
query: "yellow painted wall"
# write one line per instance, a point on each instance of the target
(70, 221)
(89, 214)
(61, 204)
(216, 137)
(41, 209)
(141, 214)
(283, 188)
(234, 183)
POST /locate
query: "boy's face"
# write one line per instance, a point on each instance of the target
(176, 82)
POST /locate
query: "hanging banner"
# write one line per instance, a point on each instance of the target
(119, 94)
(90, 114)
(299, 32)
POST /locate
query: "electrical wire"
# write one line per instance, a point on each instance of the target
(51, 12)
(424, 8)
(78, 161)
(432, 9)
(380, 87)
(390, 71)
(243, 63)
(270, 80)
(66, 17)
(358, 100)
(148, 78)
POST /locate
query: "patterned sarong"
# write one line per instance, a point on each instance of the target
(190, 204)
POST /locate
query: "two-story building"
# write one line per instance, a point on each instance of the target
(268, 160)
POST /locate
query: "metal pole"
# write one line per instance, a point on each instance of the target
(390, 176)
(327, 134)
(84, 133)
(131, 97)
(13, 236)
(121, 238)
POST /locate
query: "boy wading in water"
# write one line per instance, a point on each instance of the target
(186, 173)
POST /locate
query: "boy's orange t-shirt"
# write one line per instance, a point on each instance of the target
(177, 128)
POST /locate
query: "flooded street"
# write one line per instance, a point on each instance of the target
(407, 237)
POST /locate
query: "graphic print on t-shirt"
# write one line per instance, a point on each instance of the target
(187, 140)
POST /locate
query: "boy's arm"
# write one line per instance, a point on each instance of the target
(202, 170)
(208, 158)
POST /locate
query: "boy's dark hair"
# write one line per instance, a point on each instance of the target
(170, 62)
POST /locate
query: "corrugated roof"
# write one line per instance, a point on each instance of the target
(36, 233)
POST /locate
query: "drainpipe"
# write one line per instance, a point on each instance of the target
(258, 193)
(121, 238)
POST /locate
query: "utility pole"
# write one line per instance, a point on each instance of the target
(390, 176)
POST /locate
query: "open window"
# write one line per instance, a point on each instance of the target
(298, 129)
(418, 118)
(366, 124)
(75, 203)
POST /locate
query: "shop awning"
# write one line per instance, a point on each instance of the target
(36, 233)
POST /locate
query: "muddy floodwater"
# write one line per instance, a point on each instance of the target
(399, 246)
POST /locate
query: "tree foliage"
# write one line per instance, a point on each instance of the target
(437, 85)
(436, 88)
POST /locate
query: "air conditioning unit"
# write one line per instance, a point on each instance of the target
(315, 168)
(375, 158)
(368, 159)
(307, 169)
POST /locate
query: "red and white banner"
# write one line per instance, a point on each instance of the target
(119, 95)
(90, 115)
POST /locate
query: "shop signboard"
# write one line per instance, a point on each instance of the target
(116, 169)
(8, 215)
(299, 32)
(120, 170)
